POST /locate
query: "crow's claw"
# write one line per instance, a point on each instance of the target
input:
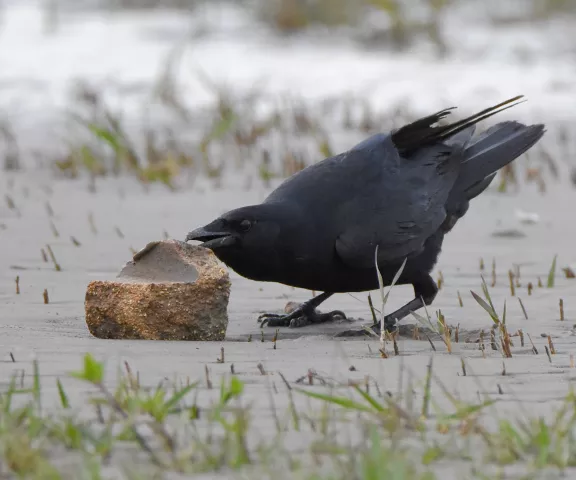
(272, 320)
(301, 317)
(299, 322)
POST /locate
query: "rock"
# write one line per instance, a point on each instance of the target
(170, 291)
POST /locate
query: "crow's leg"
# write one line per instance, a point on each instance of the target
(305, 314)
(425, 291)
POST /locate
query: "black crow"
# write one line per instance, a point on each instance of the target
(400, 191)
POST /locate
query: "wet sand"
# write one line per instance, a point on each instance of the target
(57, 336)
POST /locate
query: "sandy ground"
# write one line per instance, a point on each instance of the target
(57, 336)
(38, 72)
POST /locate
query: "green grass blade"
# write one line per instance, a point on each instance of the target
(395, 279)
(380, 279)
(175, 399)
(427, 389)
(62, 394)
(487, 293)
(552, 273)
(486, 307)
(468, 410)
(370, 399)
(107, 137)
(341, 401)
(424, 321)
(36, 388)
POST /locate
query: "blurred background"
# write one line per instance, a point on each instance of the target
(253, 90)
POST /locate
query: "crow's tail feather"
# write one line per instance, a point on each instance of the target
(483, 157)
(495, 148)
(424, 131)
(479, 187)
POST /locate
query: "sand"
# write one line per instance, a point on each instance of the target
(57, 336)
(127, 53)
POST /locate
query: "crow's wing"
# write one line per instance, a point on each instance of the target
(323, 186)
(389, 191)
(401, 211)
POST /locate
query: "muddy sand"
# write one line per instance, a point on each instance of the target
(126, 217)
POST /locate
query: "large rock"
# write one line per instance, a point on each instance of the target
(170, 291)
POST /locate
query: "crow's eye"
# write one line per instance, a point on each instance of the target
(245, 225)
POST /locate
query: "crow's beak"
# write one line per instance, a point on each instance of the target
(211, 239)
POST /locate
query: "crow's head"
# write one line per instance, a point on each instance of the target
(248, 228)
(247, 239)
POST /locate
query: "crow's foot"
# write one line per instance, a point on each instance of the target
(302, 316)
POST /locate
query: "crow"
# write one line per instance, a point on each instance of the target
(395, 193)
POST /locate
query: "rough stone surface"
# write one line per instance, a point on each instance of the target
(169, 291)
